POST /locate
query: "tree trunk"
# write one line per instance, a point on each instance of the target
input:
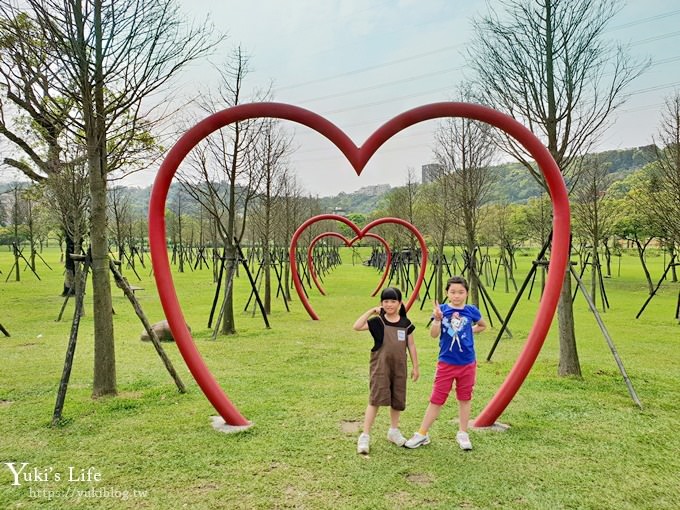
(17, 271)
(569, 363)
(266, 256)
(286, 279)
(439, 284)
(674, 273)
(608, 257)
(69, 266)
(473, 277)
(104, 350)
(266, 260)
(641, 255)
(594, 274)
(228, 324)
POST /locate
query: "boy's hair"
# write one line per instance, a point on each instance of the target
(395, 294)
(459, 280)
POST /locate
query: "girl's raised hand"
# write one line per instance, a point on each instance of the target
(437, 312)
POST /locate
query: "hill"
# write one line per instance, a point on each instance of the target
(514, 183)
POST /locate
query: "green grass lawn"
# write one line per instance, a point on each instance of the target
(573, 443)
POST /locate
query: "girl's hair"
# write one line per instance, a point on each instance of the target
(459, 280)
(395, 294)
(390, 293)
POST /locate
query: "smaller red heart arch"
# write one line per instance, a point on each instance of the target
(348, 242)
(359, 234)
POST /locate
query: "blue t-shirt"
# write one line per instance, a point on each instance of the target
(456, 343)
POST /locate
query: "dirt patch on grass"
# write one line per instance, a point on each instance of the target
(294, 497)
(422, 479)
(401, 499)
(350, 426)
(206, 487)
(4, 403)
(273, 466)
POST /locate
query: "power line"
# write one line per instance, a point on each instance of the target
(386, 84)
(656, 38)
(654, 88)
(370, 68)
(645, 20)
(448, 48)
(457, 68)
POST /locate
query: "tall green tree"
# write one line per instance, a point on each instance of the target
(110, 57)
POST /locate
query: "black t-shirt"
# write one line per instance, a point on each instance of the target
(376, 327)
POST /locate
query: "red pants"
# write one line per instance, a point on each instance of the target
(464, 375)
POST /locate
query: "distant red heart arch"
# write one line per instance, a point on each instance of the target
(360, 233)
(358, 157)
(348, 242)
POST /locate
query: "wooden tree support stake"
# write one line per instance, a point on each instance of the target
(123, 284)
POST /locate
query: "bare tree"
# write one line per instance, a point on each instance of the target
(222, 175)
(119, 208)
(636, 224)
(464, 148)
(18, 215)
(68, 190)
(666, 183)
(545, 62)
(270, 154)
(401, 202)
(594, 213)
(292, 208)
(177, 240)
(438, 203)
(506, 226)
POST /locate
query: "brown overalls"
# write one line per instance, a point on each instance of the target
(388, 369)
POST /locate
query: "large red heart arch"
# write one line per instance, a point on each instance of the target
(360, 233)
(358, 157)
(348, 242)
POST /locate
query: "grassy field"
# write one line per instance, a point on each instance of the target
(573, 443)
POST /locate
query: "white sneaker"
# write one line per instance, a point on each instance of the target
(362, 443)
(395, 436)
(417, 440)
(463, 440)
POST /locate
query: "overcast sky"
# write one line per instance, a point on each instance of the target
(360, 62)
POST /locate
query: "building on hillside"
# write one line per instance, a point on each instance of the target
(373, 191)
(431, 172)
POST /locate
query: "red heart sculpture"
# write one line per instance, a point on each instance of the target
(358, 157)
(347, 242)
(359, 234)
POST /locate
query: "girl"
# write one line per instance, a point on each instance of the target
(392, 334)
(454, 324)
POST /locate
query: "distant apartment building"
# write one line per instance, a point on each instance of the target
(431, 172)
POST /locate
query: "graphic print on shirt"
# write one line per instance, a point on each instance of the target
(455, 327)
